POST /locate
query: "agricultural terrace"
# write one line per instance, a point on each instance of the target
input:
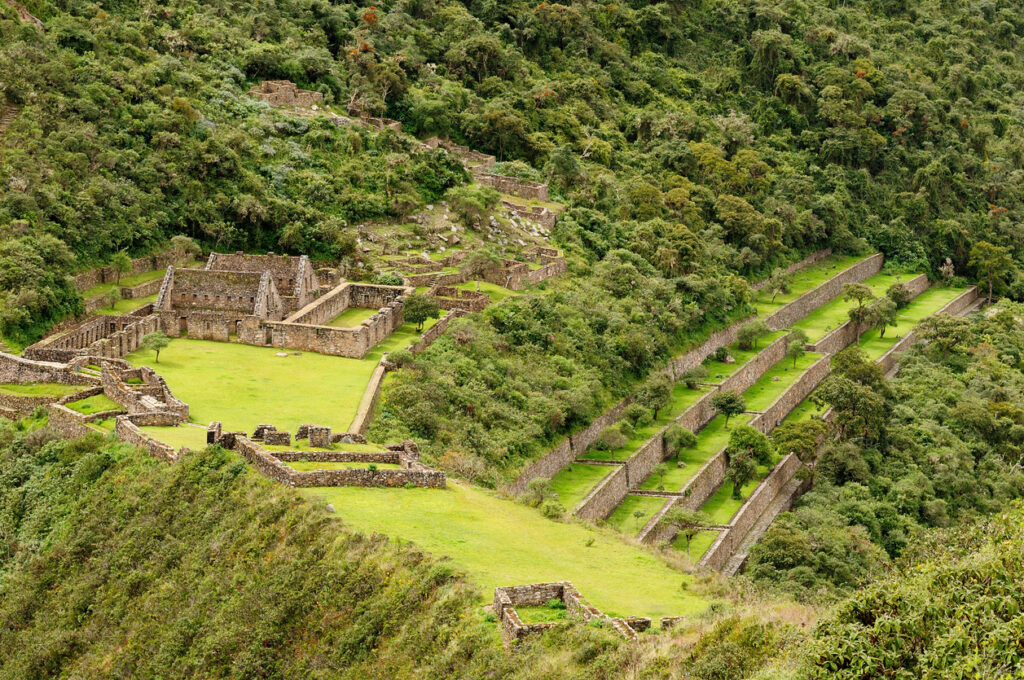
(802, 281)
(500, 542)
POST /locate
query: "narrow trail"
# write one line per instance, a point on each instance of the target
(10, 112)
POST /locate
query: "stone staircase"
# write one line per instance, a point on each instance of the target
(10, 112)
(782, 502)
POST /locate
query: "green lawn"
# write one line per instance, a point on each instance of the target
(243, 385)
(699, 544)
(495, 292)
(924, 305)
(126, 282)
(502, 543)
(805, 411)
(833, 314)
(542, 614)
(94, 404)
(105, 424)
(761, 394)
(127, 306)
(803, 281)
(352, 317)
(622, 519)
(722, 506)
(187, 436)
(574, 482)
(710, 440)
(303, 465)
(40, 389)
(404, 335)
(719, 370)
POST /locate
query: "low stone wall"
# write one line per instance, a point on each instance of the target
(128, 431)
(545, 217)
(345, 296)
(808, 381)
(789, 314)
(142, 290)
(696, 356)
(434, 332)
(368, 403)
(263, 461)
(513, 185)
(69, 423)
(101, 336)
(549, 270)
(513, 629)
(467, 301)
(285, 93)
(383, 457)
(812, 259)
(745, 518)
(15, 369)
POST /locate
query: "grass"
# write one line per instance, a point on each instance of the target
(495, 292)
(623, 521)
(761, 394)
(699, 544)
(94, 404)
(719, 370)
(303, 445)
(127, 306)
(105, 424)
(186, 436)
(351, 317)
(542, 614)
(833, 314)
(805, 411)
(502, 543)
(574, 482)
(304, 465)
(404, 335)
(710, 440)
(803, 281)
(126, 282)
(722, 506)
(244, 385)
(40, 389)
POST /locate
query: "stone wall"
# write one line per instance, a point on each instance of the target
(347, 295)
(513, 185)
(69, 423)
(285, 93)
(368, 403)
(957, 305)
(545, 217)
(380, 457)
(812, 259)
(103, 336)
(745, 518)
(19, 406)
(128, 431)
(15, 369)
(549, 270)
(789, 314)
(772, 416)
(513, 629)
(140, 265)
(466, 301)
(434, 332)
(142, 290)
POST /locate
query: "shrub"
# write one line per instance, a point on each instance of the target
(552, 509)
(387, 279)
(694, 377)
(401, 358)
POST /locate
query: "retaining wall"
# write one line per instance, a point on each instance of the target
(813, 258)
(127, 431)
(513, 185)
(956, 306)
(69, 423)
(368, 403)
(787, 315)
(15, 369)
(140, 265)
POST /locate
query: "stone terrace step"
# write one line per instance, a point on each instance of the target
(782, 502)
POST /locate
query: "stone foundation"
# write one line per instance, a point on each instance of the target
(513, 629)
(513, 185)
(285, 93)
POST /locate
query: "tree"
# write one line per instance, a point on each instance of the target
(750, 332)
(694, 377)
(742, 469)
(418, 308)
(861, 294)
(637, 415)
(656, 393)
(801, 437)
(688, 522)
(678, 438)
(899, 294)
(946, 332)
(111, 297)
(155, 342)
(794, 350)
(121, 264)
(729, 404)
(859, 412)
(184, 249)
(992, 263)
(659, 471)
(882, 314)
(778, 282)
(638, 515)
(750, 440)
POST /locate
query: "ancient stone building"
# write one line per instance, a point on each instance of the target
(294, 277)
(285, 93)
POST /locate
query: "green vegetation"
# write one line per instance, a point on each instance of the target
(40, 389)
(502, 543)
(127, 305)
(351, 317)
(698, 545)
(243, 385)
(546, 613)
(303, 445)
(94, 404)
(710, 441)
(183, 436)
(924, 305)
(802, 281)
(767, 389)
(101, 289)
(495, 292)
(624, 519)
(830, 316)
(575, 481)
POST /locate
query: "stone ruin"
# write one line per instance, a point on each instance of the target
(285, 93)
(513, 629)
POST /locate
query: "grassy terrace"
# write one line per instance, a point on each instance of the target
(833, 314)
(126, 282)
(710, 440)
(699, 544)
(40, 389)
(541, 614)
(575, 481)
(404, 335)
(127, 306)
(94, 404)
(243, 385)
(803, 281)
(502, 543)
(924, 305)
(187, 436)
(305, 465)
(623, 519)
(761, 394)
(495, 292)
(351, 317)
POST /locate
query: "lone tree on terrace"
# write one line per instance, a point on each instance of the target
(121, 264)
(882, 314)
(689, 522)
(729, 404)
(656, 393)
(418, 308)
(899, 294)
(992, 263)
(750, 332)
(748, 446)
(778, 282)
(184, 249)
(111, 297)
(796, 343)
(155, 341)
(678, 438)
(861, 294)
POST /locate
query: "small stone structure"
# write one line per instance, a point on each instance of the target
(107, 336)
(140, 265)
(513, 185)
(285, 93)
(468, 301)
(506, 599)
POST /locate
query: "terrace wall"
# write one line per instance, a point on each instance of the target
(789, 314)
(15, 369)
(956, 306)
(140, 265)
(347, 295)
(69, 423)
(513, 185)
(513, 629)
(545, 217)
(466, 301)
(812, 259)
(128, 431)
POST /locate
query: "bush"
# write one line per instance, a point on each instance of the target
(638, 415)
(610, 439)
(537, 491)
(695, 376)
(552, 509)
(721, 354)
(401, 358)
(472, 203)
(387, 279)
